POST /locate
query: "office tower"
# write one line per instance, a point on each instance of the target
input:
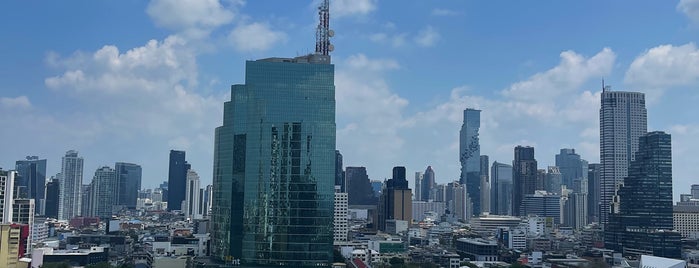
(501, 193)
(339, 172)
(163, 189)
(641, 221)
(593, 191)
(428, 182)
(554, 179)
(359, 187)
(53, 189)
(542, 204)
(340, 225)
(7, 186)
(32, 172)
(86, 200)
(208, 198)
(438, 193)
(574, 208)
(128, 184)
(571, 166)
(396, 199)
(422, 208)
(622, 122)
(274, 164)
(71, 183)
(485, 184)
(23, 211)
(695, 191)
(418, 186)
(462, 203)
(177, 180)
(191, 200)
(104, 192)
(469, 156)
(541, 180)
(524, 176)
(376, 186)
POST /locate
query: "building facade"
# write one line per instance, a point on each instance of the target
(340, 222)
(524, 177)
(177, 180)
(641, 218)
(396, 199)
(485, 183)
(501, 191)
(623, 120)
(593, 192)
(71, 181)
(469, 156)
(274, 165)
(53, 189)
(427, 184)
(191, 207)
(7, 186)
(128, 177)
(104, 192)
(32, 174)
(359, 187)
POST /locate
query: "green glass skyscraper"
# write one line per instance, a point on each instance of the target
(274, 165)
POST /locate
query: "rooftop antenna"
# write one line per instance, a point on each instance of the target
(603, 88)
(323, 32)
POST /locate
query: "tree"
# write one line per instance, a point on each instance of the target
(55, 265)
(468, 264)
(396, 262)
(337, 256)
(517, 265)
(99, 265)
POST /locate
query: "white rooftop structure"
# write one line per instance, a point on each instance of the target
(659, 262)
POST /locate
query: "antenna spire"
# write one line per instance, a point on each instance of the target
(323, 32)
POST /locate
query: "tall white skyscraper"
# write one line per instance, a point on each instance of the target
(340, 225)
(191, 199)
(7, 182)
(623, 119)
(71, 183)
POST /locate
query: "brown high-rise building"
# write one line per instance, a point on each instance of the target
(396, 199)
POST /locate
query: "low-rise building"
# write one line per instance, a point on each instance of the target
(477, 249)
(74, 257)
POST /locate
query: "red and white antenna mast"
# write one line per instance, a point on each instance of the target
(323, 32)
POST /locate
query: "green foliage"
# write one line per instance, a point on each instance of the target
(99, 265)
(468, 264)
(55, 265)
(517, 265)
(337, 256)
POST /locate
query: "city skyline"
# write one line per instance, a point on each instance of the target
(561, 79)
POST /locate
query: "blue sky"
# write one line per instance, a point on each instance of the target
(130, 80)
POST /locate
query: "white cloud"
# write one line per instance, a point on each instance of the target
(444, 12)
(375, 129)
(664, 67)
(344, 8)
(689, 8)
(148, 96)
(194, 18)
(360, 61)
(369, 114)
(572, 71)
(395, 40)
(148, 68)
(255, 37)
(21, 102)
(427, 37)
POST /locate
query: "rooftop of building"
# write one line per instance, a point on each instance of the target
(310, 58)
(479, 241)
